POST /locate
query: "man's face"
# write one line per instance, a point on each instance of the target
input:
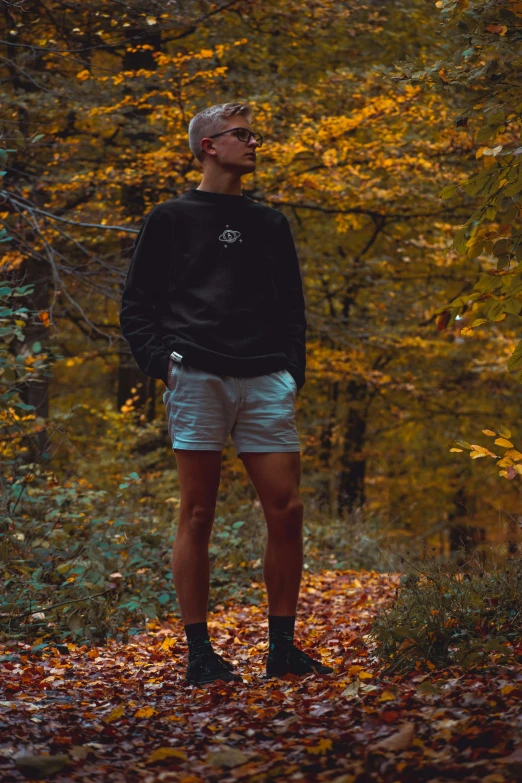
(231, 153)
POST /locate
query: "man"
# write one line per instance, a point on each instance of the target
(213, 305)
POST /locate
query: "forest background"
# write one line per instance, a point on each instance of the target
(382, 125)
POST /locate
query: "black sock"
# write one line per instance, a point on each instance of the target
(198, 639)
(281, 633)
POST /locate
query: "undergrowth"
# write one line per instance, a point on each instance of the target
(446, 614)
(84, 564)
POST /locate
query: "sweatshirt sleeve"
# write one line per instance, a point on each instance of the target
(292, 303)
(145, 285)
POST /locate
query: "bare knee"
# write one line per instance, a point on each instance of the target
(286, 522)
(197, 520)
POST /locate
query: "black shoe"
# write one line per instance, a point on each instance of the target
(210, 666)
(294, 661)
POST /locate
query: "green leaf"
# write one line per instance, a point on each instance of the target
(486, 133)
(513, 188)
(486, 284)
(39, 646)
(496, 644)
(25, 406)
(496, 116)
(476, 249)
(448, 191)
(496, 311)
(460, 240)
(471, 658)
(515, 361)
(513, 306)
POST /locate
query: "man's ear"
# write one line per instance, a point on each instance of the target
(208, 146)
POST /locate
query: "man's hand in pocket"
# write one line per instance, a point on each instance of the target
(171, 365)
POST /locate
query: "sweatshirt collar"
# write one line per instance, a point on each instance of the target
(225, 199)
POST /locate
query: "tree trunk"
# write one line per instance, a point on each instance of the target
(351, 492)
(325, 489)
(462, 534)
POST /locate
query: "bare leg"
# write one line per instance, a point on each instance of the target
(282, 569)
(199, 474)
(276, 477)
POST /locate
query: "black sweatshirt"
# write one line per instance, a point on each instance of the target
(215, 278)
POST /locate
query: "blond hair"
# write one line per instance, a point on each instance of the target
(213, 120)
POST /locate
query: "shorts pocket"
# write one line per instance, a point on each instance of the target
(291, 380)
(175, 367)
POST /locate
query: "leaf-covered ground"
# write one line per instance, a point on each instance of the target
(124, 713)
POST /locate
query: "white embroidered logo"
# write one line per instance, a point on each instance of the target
(229, 236)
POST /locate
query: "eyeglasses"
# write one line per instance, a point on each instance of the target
(243, 134)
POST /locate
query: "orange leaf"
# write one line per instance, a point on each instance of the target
(145, 712)
(504, 442)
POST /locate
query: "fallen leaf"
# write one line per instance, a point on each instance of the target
(351, 690)
(398, 741)
(227, 757)
(323, 745)
(37, 767)
(116, 713)
(145, 712)
(166, 753)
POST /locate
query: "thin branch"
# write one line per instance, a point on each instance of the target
(355, 210)
(63, 603)
(58, 281)
(31, 208)
(28, 75)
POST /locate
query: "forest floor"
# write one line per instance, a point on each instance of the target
(122, 712)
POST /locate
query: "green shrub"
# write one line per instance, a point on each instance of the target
(441, 615)
(84, 565)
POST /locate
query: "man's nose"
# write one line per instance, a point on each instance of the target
(252, 142)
